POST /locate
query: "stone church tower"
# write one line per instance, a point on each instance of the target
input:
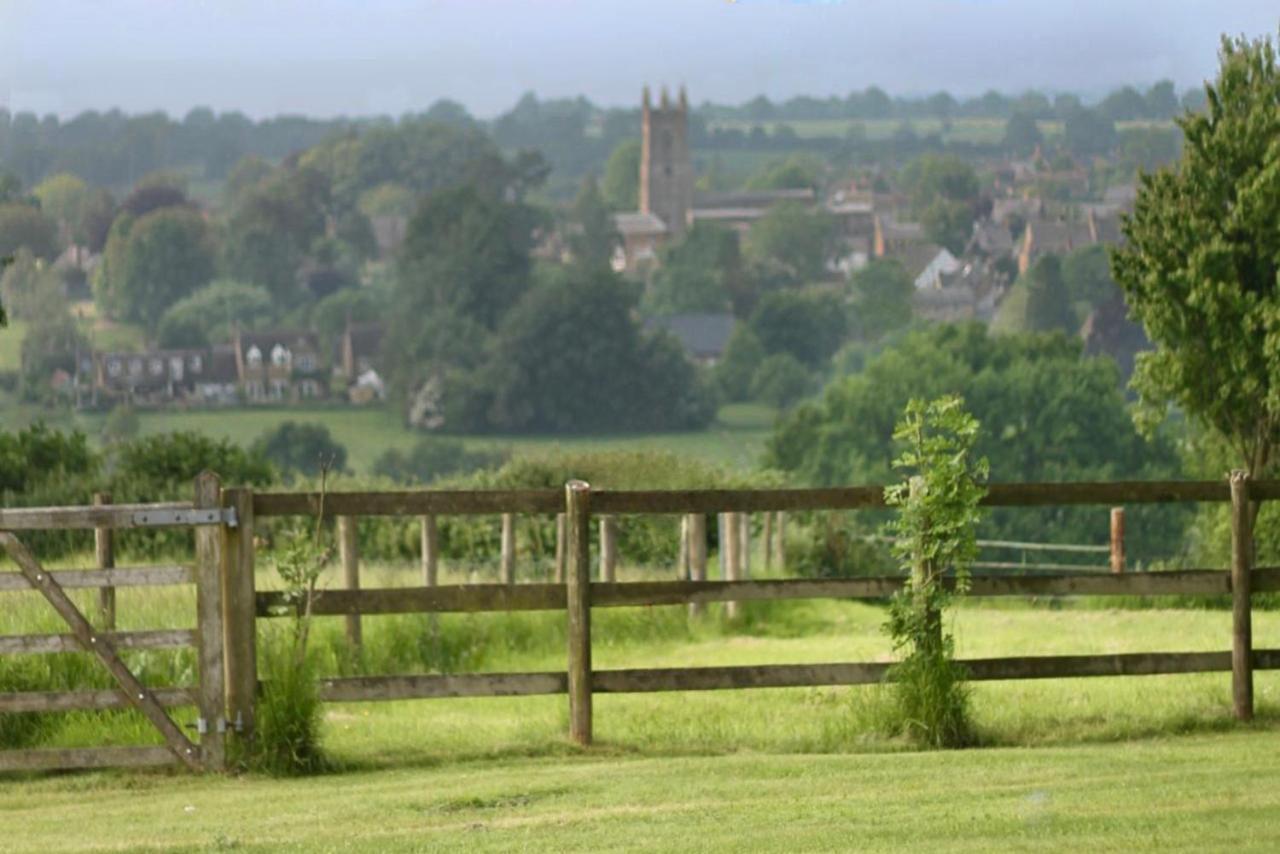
(666, 170)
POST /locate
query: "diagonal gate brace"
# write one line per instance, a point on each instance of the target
(93, 641)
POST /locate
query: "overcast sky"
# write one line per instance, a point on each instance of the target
(358, 57)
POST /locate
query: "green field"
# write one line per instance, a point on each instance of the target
(736, 440)
(1137, 763)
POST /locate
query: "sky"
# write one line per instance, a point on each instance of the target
(367, 57)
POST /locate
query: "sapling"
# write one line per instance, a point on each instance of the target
(934, 536)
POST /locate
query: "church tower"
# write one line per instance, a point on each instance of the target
(666, 170)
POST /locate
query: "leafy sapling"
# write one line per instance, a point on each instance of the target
(934, 533)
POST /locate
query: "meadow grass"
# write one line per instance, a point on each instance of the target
(1139, 762)
(736, 443)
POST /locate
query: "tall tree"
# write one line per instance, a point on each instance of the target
(593, 237)
(153, 262)
(621, 187)
(1200, 265)
(24, 226)
(882, 293)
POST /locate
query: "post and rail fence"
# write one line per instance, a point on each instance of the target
(229, 603)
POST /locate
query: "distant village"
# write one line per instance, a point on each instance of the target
(872, 221)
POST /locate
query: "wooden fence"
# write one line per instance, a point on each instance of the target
(578, 509)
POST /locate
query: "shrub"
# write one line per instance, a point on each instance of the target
(289, 714)
(937, 515)
(434, 457)
(302, 448)
(780, 381)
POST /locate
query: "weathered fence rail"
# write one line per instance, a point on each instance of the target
(229, 603)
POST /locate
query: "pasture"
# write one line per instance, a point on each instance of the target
(1139, 763)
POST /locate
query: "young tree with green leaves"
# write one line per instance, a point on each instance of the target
(1201, 265)
(934, 535)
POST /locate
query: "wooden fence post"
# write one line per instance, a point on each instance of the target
(348, 552)
(104, 545)
(767, 545)
(508, 560)
(744, 546)
(561, 536)
(1241, 601)
(697, 555)
(609, 548)
(1117, 539)
(730, 547)
(780, 542)
(239, 613)
(722, 534)
(430, 551)
(578, 595)
(682, 551)
(212, 724)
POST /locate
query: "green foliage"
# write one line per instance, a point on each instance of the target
(797, 172)
(211, 314)
(780, 381)
(31, 289)
(63, 197)
(737, 367)
(1200, 265)
(1047, 414)
(882, 293)
(163, 466)
(622, 177)
(837, 547)
(1048, 301)
(1022, 134)
(935, 529)
(943, 191)
(273, 228)
(23, 226)
(593, 237)
(1088, 132)
(794, 240)
(301, 448)
(808, 325)
(49, 352)
(387, 199)
(701, 273)
(289, 715)
(154, 261)
(1086, 273)
(121, 424)
(359, 305)
(572, 357)
(434, 457)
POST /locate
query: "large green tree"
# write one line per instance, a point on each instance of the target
(24, 226)
(809, 325)
(621, 187)
(1046, 414)
(882, 293)
(1201, 264)
(154, 261)
(794, 240)
(702, 273)
(571, 357)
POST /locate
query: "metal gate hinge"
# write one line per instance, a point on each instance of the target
(163, 518)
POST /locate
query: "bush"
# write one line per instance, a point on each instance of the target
(780, 381)
(434, 457)
(302, 448)
(833, 548)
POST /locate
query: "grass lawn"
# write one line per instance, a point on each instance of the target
(1107, 763)
(1194, 793)
(736, 442)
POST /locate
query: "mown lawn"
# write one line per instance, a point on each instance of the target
(1139, 763)
(1215, 792)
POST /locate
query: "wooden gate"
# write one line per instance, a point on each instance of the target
(207, 518)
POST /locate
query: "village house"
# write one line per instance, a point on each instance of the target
(282, 365)
(356, 361)
(161, 377)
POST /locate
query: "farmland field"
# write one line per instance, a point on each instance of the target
(1136, 763)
